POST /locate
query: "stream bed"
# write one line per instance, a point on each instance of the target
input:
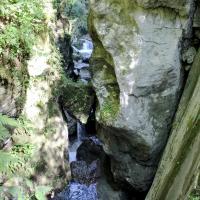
(85, 165)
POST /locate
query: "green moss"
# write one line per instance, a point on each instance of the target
(77, 97)
(40, 105)
(52, 108)
(194, 197)
(102, 64)
(193, 130)
(109, 110)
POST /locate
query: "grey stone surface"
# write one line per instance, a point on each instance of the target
(179, 5)
(196, 22)
(137, 76)
(71, 123)
(189, 54)
(8, 101)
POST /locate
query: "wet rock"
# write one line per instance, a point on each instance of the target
(80, 64)
(85, 173)
(189, 54)
(91, 149)
(197, 33)
(84, 74)
(76, 191)
(78, 99)
(82, 48)
(76, 72)
(71, 123)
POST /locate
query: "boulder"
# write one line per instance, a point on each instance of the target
(137, 77)
(85, 173)
(91, 149)
(77, 99)
(189, 54)
(71, 123)
(77, 191)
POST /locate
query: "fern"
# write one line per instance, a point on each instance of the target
(15, 191)
(7, 160)
(4, 133)
(7, 121)
(41, 191)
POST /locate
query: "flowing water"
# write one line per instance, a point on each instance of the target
(76, 190)
(86, 50)
(81, 134)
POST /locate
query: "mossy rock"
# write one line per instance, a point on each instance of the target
(77, 99)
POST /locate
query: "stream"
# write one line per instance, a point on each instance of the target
(84, 172)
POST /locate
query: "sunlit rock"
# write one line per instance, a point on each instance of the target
(137, 77)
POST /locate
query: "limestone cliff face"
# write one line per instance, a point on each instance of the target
(41, 108)
(137, 77)
(33, 96)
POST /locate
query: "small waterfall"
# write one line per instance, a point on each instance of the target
(74, 146)
(86, 48)
(80, 131)
(87, 45)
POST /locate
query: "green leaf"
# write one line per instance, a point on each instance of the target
(41, 191)
(4, 133)
(7, 121)
(6, 159)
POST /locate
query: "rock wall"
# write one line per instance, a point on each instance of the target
(34, 97)
(137, 76)
(41, 108)
(180, 163)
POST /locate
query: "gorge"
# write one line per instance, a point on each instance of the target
(100, 99)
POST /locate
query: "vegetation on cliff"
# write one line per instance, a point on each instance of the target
(30, 66)
(20, 23)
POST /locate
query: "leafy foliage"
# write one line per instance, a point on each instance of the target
(41, 191)
(7, 161)
(13, 161)
(6, 158)
(6, 121)
(76, 11)
(21, 21)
